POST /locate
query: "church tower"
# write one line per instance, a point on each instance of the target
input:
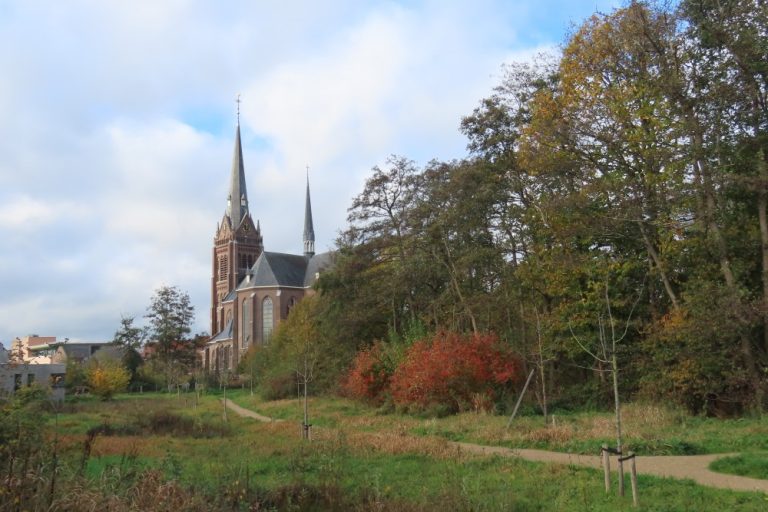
(309, 230)
(238, 242)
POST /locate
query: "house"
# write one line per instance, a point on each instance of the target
(26, 348)
(15, 374)
(61, 352)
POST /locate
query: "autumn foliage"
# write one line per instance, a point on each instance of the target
(368, 378)
(449, 370)
(106, 378)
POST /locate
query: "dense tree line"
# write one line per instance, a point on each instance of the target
(622, 184)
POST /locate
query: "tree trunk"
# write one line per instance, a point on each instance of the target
(617, 407)
(709, 205)
(762, 206)
(542, 373)
(455, 282)
(653, 253)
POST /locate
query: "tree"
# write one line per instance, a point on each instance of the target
(128, 335)
(106, 377)
(607, 354)
(130, 338)
(379, 222)
(297, 348)
(170, 317)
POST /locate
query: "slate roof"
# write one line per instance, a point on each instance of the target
(286, 270)
(225, 334)
(276, 269)
(317, 264)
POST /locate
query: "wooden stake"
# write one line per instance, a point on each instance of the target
(621, 476)
(606, 468)
(520, 399)
(634, 480)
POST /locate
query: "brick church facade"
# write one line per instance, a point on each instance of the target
(253, 290)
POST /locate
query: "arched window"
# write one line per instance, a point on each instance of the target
(246, 326)
(266, 319)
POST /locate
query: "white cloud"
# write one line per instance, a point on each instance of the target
(116, 144)
(27, 213)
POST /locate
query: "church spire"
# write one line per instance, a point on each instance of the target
(237, 202)
(309, 230)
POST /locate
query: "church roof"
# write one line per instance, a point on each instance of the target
(225, 334)
(286, 270)
(317, 264)
(277, 269)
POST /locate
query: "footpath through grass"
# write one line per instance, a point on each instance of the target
(359, 460)
(648, 429)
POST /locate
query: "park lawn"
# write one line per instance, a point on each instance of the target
(372, 460)
(751, 464)
(648, 429)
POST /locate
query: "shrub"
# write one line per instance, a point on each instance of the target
(368, 379)
(278, 386)
(453, 371)
(107, 377)
(76, 375)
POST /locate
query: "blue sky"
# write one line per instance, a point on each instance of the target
(118, 122)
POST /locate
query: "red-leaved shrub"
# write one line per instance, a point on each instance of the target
(368, 378)
(454, 372)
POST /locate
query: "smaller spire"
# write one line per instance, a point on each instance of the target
(309, 230)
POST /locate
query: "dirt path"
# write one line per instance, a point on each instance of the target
(692, 467)
(247, 412)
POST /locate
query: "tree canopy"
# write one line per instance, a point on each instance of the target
(636, 161)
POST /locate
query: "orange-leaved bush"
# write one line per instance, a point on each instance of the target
(454, 371)
(368, 378)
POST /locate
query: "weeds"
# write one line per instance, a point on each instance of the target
(370, 463)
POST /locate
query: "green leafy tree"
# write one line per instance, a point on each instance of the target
(170, 316)
(130, 338)
(128, 335)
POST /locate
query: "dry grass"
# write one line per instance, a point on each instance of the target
(397, 443)
(119, 445)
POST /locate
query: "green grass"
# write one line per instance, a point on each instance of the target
(648, 429)
(395, 460)
(754, 465)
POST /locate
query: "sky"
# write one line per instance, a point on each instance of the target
(117, 124)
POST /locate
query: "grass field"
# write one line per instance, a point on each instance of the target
(648, 429)
(359, 460)
(751, 464)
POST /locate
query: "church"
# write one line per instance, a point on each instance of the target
(253, 290)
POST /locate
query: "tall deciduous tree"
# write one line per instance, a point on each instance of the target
(128, 335)
(170, 316)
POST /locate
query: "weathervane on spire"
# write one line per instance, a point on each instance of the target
(238, 108)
